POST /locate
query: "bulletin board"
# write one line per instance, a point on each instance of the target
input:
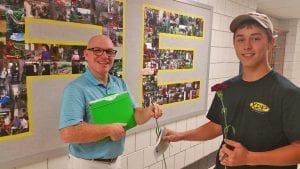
(180, 89)
(44, 141)
(190, 45)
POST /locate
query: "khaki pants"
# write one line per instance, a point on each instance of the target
(78, 163)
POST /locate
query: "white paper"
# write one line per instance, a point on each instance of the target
(161, 146)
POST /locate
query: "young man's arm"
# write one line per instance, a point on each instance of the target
(283, 156)
(207, 131)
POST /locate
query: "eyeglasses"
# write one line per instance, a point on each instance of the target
(99, 51)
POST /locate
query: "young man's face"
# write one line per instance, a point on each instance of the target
(252, 46)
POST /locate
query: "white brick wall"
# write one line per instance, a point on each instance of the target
(292, 58)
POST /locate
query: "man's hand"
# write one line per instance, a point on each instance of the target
(233, 153)
(171, 136)
(117, 131)
(154, 111)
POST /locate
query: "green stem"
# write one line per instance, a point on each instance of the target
(224, 112)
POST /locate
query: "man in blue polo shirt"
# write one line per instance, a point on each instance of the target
(87, 147)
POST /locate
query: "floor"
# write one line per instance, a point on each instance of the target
(207, 162)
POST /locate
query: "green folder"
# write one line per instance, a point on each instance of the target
(115, 108)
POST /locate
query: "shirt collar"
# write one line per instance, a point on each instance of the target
(91, 78)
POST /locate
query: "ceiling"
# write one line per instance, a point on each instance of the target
(280, 9)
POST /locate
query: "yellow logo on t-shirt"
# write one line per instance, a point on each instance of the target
(259, 107)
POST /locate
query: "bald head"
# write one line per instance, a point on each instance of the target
(100, 56)
(100, 40)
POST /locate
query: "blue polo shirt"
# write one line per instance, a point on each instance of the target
(74, 109)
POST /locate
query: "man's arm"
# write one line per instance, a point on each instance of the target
(86, 132)
(142, 115)
(287, 155)
(207, 131)
(283, 156)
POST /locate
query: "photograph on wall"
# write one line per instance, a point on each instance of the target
(168, 59)
(170, 93)
(155, 59)
(13, 96)
(105, 13)
(44, 59)
(38, 9)
(163, 21)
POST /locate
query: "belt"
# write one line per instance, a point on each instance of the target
(110, 160)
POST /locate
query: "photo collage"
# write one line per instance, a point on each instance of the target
(19, 59)
(157, 22)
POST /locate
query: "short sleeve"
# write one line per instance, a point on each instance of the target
(72, 107)
(214, 111)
